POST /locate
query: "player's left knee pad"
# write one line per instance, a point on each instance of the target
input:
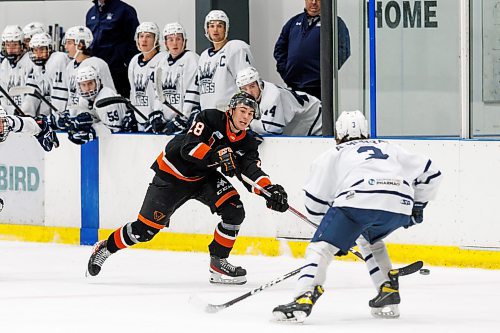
(139, 232)
(323, 249)
(232, 213)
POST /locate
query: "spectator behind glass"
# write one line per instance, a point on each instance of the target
(113, 24)
(297, 50)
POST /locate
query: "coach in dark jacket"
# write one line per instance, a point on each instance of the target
(297, 51)
(113, 24)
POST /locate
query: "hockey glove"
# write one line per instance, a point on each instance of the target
(176, 126)
(82, 137)
(47, 137)
(225, 158)
(82, 122)
(278, 200)
(417, 214)
(63, 121)
(129, 123)
(156, 123)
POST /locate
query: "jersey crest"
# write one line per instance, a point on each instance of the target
(207, 85)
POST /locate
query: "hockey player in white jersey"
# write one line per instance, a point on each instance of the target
(141, 70)
(30, 30)
(284, 111)
(46, 77)
(85, 126)
(179, 86)
(360, 188)
(38, 127)
(16, 66)
(77, 41)
(219, 64)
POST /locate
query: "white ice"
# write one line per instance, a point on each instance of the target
(43, 289)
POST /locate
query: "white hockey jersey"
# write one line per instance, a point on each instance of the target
(179, 84)
(369, 174)
(217, 73)
(49, 82)
(23, 125)
(141, 76)
(70, 76)
(288, 112)
(14, 76)
(110, 116)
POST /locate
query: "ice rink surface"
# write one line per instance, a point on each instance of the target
(43, 289)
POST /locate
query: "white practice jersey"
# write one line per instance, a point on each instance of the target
(70, 76)
(217, 73)
(110, 116)
(179, 84)
(369, 174)
(288, 112)
(23, 125)
(14, 76)
(48, 80)
(142, 82)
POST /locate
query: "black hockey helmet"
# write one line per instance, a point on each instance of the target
(245, 98)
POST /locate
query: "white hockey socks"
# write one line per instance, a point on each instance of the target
(377, 260)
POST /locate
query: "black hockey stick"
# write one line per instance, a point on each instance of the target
(11, 101)
(161, 97)
(213, 308)
(119, 100)
(293, 210)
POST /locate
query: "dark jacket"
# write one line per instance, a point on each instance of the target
(113, 28)
(297, 51)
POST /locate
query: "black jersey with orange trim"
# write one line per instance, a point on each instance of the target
(190, 156)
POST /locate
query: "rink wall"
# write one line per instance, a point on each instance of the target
(78, 194)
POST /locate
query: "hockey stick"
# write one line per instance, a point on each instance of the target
(119, 100)
(161, 97)
(293, 210)
(22, 90)
(9, 98)
(213, 308)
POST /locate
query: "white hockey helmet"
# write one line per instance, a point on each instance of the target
(216, 15)
(150, 27)
(32, 29)
(12, 33)
(4, 125)
(174, 28)
(41, 40)
(79, 34)
(247, 76)
(88, 73)
(351, 125)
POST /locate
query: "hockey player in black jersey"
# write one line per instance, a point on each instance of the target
(187, 169)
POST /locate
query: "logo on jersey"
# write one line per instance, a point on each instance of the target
(141, 82)
(384, 181)
(221, 183)
(15, 81)
(158, 216)
(170, 88)
(207, 86)
(405, 202)
(73, 96)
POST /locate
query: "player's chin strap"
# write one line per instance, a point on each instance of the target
(292, 210)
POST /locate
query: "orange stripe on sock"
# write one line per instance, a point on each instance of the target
(118, 240)
(222, 240)
(150, 223)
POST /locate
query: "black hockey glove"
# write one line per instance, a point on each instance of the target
(176, 126)
(63, 121)
(82, 122)
(47, 137)
(129, 123)
(82, 137)
(156, 123)
(417, 214)
(278, 200)
(225, 158)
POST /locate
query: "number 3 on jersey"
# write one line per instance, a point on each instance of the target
(374, 152)
(197, 128)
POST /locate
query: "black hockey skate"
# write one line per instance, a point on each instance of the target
(223, 272)
(300, 308)
(99, 255)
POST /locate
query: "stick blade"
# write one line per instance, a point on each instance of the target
(201, 305)
(21, 90)
(411, 268)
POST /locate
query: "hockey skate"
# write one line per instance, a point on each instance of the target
(385, 305)
(223, 272)
(300, 308)
(99, 255)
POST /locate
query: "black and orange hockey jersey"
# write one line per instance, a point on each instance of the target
(190, 157)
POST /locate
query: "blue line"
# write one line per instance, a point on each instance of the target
(89, 177)
(373, 69)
